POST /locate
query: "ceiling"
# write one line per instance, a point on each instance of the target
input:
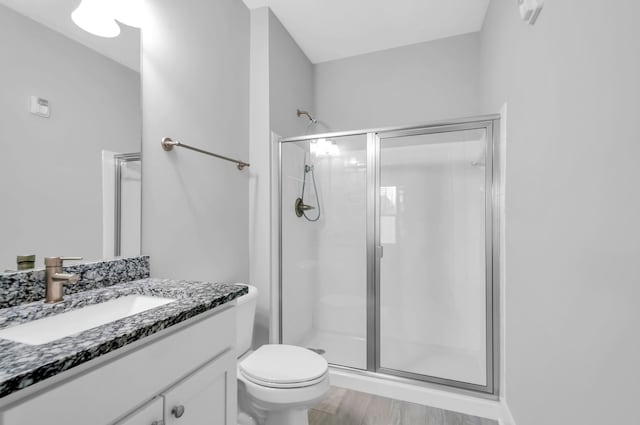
(56, 14)
(333, 29)
(324, 29)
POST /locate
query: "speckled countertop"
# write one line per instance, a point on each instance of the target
(22, 365)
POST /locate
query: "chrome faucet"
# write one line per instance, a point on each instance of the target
(56, 278)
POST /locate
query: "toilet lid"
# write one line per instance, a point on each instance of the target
(283, 364)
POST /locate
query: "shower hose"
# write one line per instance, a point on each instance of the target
(309, 169)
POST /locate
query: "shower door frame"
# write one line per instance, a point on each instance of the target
(120, 160)
(491, 124)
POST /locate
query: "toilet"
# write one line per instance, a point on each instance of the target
(277, 383)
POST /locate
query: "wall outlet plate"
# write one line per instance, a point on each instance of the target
(40, 107)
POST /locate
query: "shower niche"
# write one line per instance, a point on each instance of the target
(388, 250)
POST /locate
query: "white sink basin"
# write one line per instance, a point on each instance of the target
(49, 329)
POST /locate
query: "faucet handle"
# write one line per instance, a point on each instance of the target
(70, 258)
(70, 278)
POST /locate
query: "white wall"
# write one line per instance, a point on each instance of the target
(407, 85)
(50, 168)
(281, 82)
(572, 207)
(195, 88)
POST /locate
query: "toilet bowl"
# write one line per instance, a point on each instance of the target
(277, 383)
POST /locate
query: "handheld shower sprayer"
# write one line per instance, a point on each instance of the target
(300, 207)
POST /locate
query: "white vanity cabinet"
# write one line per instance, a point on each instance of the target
(191, 364)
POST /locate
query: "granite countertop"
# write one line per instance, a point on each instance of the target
(22, 365)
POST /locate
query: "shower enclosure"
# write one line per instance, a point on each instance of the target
(398, 274)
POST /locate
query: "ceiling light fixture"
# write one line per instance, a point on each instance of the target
(324, 147)
(95, 17)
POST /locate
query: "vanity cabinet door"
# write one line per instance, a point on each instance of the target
(206, 397)
(150, 414)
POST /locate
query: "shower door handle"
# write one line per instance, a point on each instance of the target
(380, 250)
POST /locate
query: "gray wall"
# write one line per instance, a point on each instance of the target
(281, 82)
(291, 77)
(195, 89)
(50, 169)
(406, 85)
(572, 207)
(259, 187)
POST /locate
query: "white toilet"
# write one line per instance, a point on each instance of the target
(277, 384)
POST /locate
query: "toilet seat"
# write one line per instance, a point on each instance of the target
(283, 366)
(281, 385)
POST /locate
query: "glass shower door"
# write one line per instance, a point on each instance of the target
(434, 288)
(389, 250)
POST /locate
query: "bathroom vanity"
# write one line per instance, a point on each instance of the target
(171, 363)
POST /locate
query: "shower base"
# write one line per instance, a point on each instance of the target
(339, 349)
(423, 359)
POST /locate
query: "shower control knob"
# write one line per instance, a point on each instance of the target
(300, 207)
(178, 411)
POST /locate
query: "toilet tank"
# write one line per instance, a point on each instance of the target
(245, 314)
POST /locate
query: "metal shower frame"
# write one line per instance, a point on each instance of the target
(491, 124)
(119, 161)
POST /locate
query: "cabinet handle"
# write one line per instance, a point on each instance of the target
(178, 411)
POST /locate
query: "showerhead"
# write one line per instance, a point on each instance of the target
(308, 115)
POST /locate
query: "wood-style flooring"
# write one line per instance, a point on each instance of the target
(346, 407)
